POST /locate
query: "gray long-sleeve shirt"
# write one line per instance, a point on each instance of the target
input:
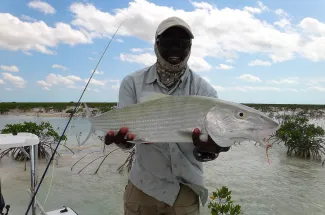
(157, 169)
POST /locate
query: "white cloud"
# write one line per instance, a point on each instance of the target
(219, 32)
(44, 85)
(206, 78)
(281, 12)
(1, 81)
(70, 81)
(44, 7)
(249, 78)
(281, 56)
(115, 84)
(77, 87)
(136, 50)
(293, 80)
(230, 61)
(317, 88)
(8, 89)
(120, 40)
(97, 72)
(293, 90)
(253, 10)
(283, 23)
(11, 68)
(145, 58)
(94, 81)
(218, 88)
(28, 18)
(313, 26)
(314, 82)
(202, 5)
(262, 6)
(74, 78)
(16, 35)
(224, 67)
(58, 66)
(17, 81)
(259, 63)
(53, 79)
(255, 88)
(198, 64)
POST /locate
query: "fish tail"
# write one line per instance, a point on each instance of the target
(89, 116)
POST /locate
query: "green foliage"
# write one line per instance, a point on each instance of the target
(55, 106)
(288, 107)
(44, 131)
(304, 139)
(221, 203)
(69, 111)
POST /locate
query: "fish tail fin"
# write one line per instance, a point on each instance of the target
(89, 116)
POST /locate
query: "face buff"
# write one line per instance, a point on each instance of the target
(170, 74)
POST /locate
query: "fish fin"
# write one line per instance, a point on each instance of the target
(89, 115)
(88, 136)
(147, 96)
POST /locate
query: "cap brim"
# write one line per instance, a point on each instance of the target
(180, 26)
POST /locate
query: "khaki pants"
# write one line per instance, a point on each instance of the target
(137, 202)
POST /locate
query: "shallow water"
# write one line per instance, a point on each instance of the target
(287, 186)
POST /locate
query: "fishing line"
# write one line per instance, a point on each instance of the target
(74, 111)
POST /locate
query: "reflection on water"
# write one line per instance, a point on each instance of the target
(288, 185)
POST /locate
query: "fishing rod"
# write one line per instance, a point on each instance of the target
(74, 111)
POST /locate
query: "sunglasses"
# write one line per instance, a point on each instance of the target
(172, 42)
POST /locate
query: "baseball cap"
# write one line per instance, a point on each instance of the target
(173, 22)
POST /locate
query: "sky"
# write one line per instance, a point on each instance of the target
(249, 51)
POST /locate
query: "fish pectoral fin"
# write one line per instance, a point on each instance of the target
(147, 96)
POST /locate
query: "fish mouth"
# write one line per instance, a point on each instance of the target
(263, 135)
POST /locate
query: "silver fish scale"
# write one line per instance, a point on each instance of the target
(168, 119)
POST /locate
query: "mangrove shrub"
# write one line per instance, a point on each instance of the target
(301, 138)
(221, 203)
(44, 131)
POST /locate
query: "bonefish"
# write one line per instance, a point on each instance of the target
(161, 118)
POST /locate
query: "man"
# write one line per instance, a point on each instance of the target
(166, 178)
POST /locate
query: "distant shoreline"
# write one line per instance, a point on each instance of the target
(51, 109)
(64, 109)
(54, 115)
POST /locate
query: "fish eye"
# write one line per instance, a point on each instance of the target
(241, 114)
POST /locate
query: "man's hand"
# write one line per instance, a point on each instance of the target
(205, 150)
(120, 139)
